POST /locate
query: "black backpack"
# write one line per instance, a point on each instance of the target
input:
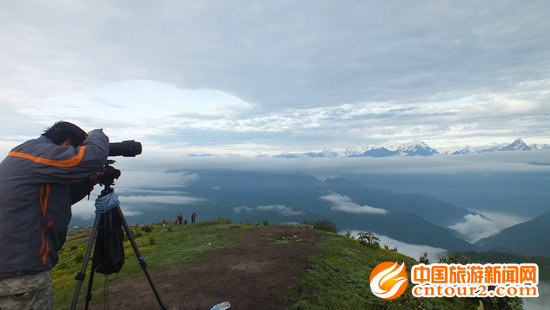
(109, 249)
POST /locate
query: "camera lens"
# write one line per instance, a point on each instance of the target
(128, 148)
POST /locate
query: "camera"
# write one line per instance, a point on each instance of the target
(129, 148)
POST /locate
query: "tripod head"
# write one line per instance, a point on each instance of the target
(110, 173)
(129, 148)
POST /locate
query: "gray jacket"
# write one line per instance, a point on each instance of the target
(38, 185)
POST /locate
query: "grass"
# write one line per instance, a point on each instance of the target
(339, 279)
(161, 247)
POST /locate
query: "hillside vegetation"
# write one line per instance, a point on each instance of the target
(253, 266)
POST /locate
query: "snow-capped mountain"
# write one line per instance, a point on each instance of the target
(416, 149)
(517, 145)
(323, 153)
(463, 151)
(354, 151)
(409, 149)
(377, 152)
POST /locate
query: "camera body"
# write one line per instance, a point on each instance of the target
(129, 148)
(110, 173)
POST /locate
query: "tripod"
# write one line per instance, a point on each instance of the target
(82, 274)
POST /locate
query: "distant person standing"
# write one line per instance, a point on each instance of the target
(185, 220)
(180, 218)
(193, 217)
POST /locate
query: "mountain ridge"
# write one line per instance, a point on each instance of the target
(528, 238)
(415, 149)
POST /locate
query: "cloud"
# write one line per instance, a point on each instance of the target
(281, 75)
(542, 301)
(345, 204)
(135, 174)
(138, 109)
(485, 224)
(170, 199)
(281, 209)
(475, 227)
(137, 191)
(84, 209)
(133, 205)
(161, 114)
(240, 209)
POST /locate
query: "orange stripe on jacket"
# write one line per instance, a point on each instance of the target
(45, 246)
(45, 255)
(44, 198)
(71, 162)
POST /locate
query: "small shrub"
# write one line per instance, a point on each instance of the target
(454, 258)
(265, 223)
(368, 239)
(324, 225)
(424, 258)
(348, 233)
(152, 241)
(147, 228)
(216, 221)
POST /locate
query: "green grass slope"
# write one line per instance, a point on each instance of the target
(338, 278)
(162, 247)
(335, 276)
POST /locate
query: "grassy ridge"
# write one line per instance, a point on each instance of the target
(337, 278)
(162, 247)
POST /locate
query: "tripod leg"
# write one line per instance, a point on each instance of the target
(89, 292)
(142, 262)
(82, 274)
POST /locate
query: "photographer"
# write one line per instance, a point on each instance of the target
(39, 181)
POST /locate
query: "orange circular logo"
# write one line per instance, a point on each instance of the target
(388, 280)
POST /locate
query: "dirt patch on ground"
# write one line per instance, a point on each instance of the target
(257, 273)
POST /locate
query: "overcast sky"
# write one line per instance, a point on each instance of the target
(249, 77)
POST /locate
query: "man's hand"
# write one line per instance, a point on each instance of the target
(96, 177)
